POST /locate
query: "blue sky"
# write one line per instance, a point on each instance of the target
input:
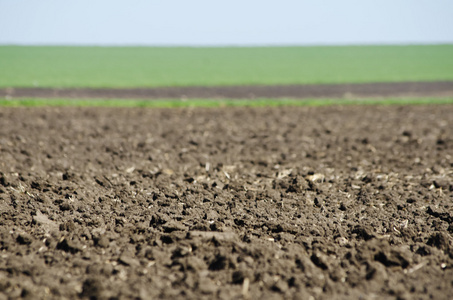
(220, 23)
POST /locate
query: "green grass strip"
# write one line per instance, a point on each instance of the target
(171, 103)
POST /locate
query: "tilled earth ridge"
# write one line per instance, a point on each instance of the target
(358, 90)
(293, 202)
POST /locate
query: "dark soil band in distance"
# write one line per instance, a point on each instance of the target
(362, 90)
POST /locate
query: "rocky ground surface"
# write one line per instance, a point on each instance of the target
(335, 202)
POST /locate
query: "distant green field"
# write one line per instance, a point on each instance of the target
(153, 67)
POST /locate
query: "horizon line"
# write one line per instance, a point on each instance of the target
(127, 45)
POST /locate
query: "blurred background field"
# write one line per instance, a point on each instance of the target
(128, 67)
(174, 103)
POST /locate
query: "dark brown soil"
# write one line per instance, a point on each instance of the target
(399, 89)
(257, 203)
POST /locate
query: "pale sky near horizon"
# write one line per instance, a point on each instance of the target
(222, 23)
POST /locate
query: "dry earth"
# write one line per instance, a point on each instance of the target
(257, 203)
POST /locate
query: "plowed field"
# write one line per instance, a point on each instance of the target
(257, 203)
